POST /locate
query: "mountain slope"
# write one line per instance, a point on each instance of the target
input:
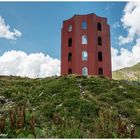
(70, 107)
(128, 73)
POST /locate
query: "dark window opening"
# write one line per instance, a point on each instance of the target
(70, 42)
(69, 71)
(69, 57)
(100, 71)
(99, 40)
(99, 27)
(100, 57)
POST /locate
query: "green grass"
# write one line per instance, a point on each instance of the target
(90, 110)
(129, 73)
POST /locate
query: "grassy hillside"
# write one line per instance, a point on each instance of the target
(69, 107)
(128, 73)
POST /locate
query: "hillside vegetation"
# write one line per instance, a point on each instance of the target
(128, 73)
(69, 107)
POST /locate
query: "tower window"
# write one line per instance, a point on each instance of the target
(84, 25)
(69, 57)
(99, 27)
(100, 57)
(70, 42)
(70, 28)
(69, 71)
(85, 71)
(84, 39)
(84, 55)
(100, 71)
(99, 40)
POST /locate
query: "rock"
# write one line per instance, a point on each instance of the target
(59, 105)
(54, 95)
(2, 100)
(5, 105)
(34, 109)
(125, 92)
(41, 94)
(121, 87)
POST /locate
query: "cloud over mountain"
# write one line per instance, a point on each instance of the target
(125, 57)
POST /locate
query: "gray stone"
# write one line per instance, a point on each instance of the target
(2, 100)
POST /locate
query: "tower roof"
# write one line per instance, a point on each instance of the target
(86, 15)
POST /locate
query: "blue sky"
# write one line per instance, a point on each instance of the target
(40, 23)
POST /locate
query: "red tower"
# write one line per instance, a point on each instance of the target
(85, 46)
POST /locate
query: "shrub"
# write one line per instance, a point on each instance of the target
(111, 125)
(17, 126)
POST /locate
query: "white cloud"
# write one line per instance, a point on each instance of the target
(131, 22)
(5, 31)
(125, 40)
(115, 25)
(109, 6)
(126, 58)
(34, 65)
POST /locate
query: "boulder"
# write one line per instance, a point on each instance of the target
(2, 100)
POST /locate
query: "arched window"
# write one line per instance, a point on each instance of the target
(85, 71)
(69, 71)
(99, 40)
(70, 28)
(70, 42)
(84, 39)
(69, 57)
(100, 71)
(99, 27)
(100, 57)
(84, 55)
(84, 25)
